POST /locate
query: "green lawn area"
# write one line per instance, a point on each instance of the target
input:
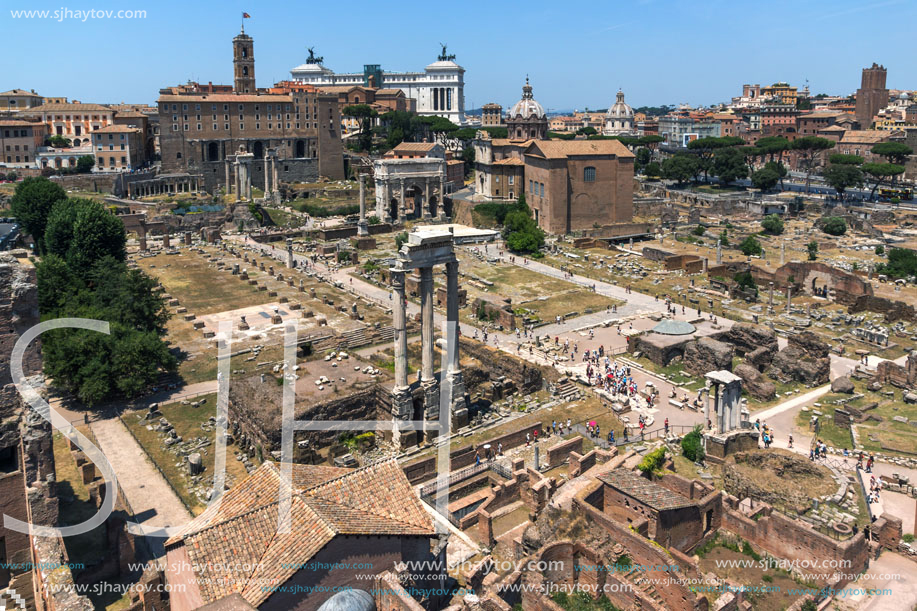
(187, 421)
(199, 286)
(674, 372)
(282, 218)
(828, 432)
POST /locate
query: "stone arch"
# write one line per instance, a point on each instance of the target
(258, 150)
(77, 142)
(213, 151)
(393, 208)
(71, 162)
(431, 205)
(300, 149)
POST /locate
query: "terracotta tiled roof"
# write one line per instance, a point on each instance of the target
(18, 123)
(70, 107)
(396, 92)
(115, 129)
(872, 136)
(414, 147)
(509, 161)
(647, 492)
(559, 149)
(225, 97)
(20, 92)
(325, 502)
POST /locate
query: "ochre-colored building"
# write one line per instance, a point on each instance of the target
(19, 141)
(118, 148)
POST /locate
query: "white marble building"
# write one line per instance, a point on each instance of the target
(619, 120)
(439, 89)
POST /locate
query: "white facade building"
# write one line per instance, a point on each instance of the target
(439, 89)
(619, 120)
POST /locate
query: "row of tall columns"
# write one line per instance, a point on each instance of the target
(271, 183)
(402, 402)
(160, 187)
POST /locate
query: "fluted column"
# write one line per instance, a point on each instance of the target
(452, 314)
(399, 323)
(426, 308)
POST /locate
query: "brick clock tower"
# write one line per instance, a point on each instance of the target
(243, 63)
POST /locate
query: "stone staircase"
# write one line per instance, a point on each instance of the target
(364, 336)
(567, 390)
(638, 578)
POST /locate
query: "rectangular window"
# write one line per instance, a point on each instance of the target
(531, 190)
(542, 190)
(511, 179)
(589, 174)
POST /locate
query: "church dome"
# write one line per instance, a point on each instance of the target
(349, 600)
(620, 109)
(527, 107)
(904, 96)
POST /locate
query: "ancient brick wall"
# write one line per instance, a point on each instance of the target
(527, 377)
(558, 453)
(893, 310)
(889, 372)
(791, 539)
(579, 464)
(655, 254)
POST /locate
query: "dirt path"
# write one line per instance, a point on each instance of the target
(152, 499)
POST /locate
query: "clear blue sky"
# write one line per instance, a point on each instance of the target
(576, 54)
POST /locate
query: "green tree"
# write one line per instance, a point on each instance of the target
(586, 131)
(809, 148)
(680, 168)
(772, 224)
(653, 169)
(32, 203)
(765, 179)
(699, 230)
(84, 164)
(880, 172)
(59, 141)
(772, 146)
(400, 239)
(844, 159)
(643, 156)
(779, 168)
(729, 164)
(894, 152)
(705, 149)
(521, 232)
(82, 232)
(843, 176)
(365, 115)
(692, 445)
(653, 461)
(902, 263)
(724, 238)
(834, 225)
(751, 246)
(880, 250)
(812, 248)
(744, 280)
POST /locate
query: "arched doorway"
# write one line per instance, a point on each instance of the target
(300, 149)
(213, 151)
(72, 162)
(77, 142)
(57, 162)
(393, 209)
(432, 205)
(413, 202)
(258, 150)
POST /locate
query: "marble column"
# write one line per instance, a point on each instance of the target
(789, 297)
(267, 176)
(290, 252)
(402, 205)
(362, 227)
(458, 403)
(427, 379)
(235, 167)
(441, 202)
(426, 208)
(402, 405)
(770, 303)
(719, 252)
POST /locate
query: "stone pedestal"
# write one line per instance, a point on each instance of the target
(143, 246)
(402, 409)
(290, 252)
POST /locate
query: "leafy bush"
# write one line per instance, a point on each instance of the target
(746, 281)
(699, 230)
(724, 238)
(751, 246)
(692, 445)
(772, 224)
(902, 263)
(373, 220)
(318, 211)
(834, 225)
(653, 461)
(812, 249)
(880, 250)
(400, 239)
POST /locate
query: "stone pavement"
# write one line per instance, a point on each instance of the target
(152, 499)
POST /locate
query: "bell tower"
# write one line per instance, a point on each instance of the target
(243, 63)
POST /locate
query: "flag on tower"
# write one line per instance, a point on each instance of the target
(246, 15)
